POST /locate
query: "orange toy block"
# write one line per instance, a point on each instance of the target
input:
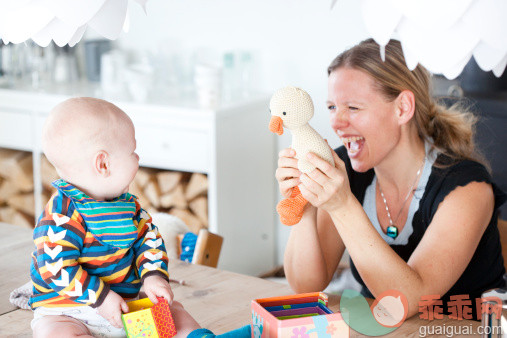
(148, 320)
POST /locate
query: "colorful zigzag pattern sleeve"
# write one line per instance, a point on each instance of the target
(149, 248)
(59, 240)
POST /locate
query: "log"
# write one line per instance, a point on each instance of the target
(134, 189)
(199, 207)
(5, 155)
(175, 198)
(198, 185)
(7, 190)
(168, 180)
(152, 193)
(143, 176)
(23, 202)
(24, 179)
(193, 223)
(48, 173)
(17, 166)
(45, 196)
(13, 216)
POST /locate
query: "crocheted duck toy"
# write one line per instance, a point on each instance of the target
(292, 108)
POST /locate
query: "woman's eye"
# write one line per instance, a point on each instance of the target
(331, 107)
(353, 108)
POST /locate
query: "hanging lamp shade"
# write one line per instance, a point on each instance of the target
(61, 21)
(442, 35)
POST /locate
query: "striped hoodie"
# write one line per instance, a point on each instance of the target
(84, 248)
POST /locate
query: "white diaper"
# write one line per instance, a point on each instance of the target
(98, 325)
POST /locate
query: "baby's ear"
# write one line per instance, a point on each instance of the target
(101, 163)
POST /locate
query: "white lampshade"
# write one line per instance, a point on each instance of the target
(442, 35)
(63, 21)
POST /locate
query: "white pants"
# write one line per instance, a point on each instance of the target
(98, 325)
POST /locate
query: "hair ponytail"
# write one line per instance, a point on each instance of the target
(452, 131)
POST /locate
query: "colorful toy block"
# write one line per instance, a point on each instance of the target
(301, 315)
(148, 320)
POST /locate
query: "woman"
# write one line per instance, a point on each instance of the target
(407, 197)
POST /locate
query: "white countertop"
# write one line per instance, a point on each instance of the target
(23, 95)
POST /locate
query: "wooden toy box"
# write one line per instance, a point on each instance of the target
(300, 315)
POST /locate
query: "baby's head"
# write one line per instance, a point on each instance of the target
(91, 143)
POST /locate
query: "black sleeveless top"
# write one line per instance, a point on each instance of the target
(485, 270)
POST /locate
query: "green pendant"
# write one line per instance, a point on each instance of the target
(392, 231)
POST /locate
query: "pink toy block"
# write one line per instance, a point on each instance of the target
(296, 316)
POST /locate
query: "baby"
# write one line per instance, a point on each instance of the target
(95, 245)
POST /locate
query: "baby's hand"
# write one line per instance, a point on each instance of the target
(112, 307)
(156, 286)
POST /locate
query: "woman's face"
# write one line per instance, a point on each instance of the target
(364, 120)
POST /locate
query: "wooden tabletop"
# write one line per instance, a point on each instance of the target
(16, 244)
(218, 300)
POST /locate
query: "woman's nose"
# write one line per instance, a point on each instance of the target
(339, 120)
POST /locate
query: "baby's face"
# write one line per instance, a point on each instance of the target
(124, 161)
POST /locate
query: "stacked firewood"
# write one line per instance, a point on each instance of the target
(17, 202)
(178, 193)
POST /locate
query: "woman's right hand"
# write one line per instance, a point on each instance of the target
(287, 174)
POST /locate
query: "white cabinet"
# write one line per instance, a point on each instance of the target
(232, 145)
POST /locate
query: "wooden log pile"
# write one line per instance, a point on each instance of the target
(178, 193)
(17, 201)
(181, 194)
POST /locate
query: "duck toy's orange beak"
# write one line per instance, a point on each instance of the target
(276, 125)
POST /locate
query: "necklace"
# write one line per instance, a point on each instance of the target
(392, 229)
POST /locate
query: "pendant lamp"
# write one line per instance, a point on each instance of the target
(441, 35)
(63, 21)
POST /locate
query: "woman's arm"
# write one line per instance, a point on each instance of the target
(313, 252)
(440, 258)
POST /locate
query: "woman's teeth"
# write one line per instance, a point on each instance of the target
(353, 143)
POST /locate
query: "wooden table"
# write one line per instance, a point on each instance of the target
(218, 300)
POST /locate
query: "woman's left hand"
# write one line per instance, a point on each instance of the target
(326, 187)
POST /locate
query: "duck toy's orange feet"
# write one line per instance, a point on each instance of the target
(291, 209)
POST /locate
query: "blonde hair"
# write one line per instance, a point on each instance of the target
(450, 129)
